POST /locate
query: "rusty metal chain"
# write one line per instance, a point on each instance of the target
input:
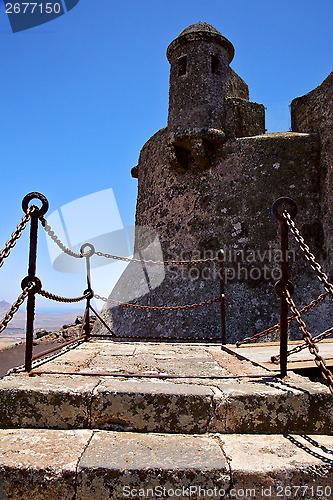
(273, 328)
(58, 298)
(70, 252)
(313, 348)
(16, 234)
(323, 278)
(157, 308)
(323, 335)
(318, 338)
(259, 335)
(160, 263)
(21, 298)
(57, 241)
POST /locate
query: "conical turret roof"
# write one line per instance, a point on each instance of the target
(200, 26)
(201, 31)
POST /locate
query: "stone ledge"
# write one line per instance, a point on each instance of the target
(115, 463)
(260, 404)
(58, 401)
(151, 406)
(103, 465)
(40, 464)
(278, 466)
(67, 402)
(269, 405)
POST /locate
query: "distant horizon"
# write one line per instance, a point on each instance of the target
(60, 310)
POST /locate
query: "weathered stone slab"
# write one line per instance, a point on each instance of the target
(116, 348)
(235, 366)
(320, 405)
(72, 360)
(117, 465)
(185, 350)
(40, 464)
(197, 367)
(124, 364)
(276, 466)
(151, 406)
(167, 359)
(267, 405)
(49, 401)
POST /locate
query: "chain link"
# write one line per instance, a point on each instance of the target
(157, 308)
(57, 241)
(319, 338)
(259, 335)
(70, 252)
(21, 298)
(57, 298)
(277, 326)
(160, 263)
(313, 348)
(16, 234)
(323, 278)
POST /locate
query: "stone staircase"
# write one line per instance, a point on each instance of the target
(111, 420)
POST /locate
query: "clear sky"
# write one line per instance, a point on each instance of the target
(84, 92)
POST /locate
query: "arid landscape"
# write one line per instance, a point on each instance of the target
(15, 332)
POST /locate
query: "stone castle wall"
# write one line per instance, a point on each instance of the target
(313, 112)
(208, 181)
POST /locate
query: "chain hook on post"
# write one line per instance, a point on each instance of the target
(87, 254)
(222, 294)
(32, 278)
(284, 282)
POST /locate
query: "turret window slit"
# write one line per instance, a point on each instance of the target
(182, 65)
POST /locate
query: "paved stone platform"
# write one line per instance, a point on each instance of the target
(102, 465)
(172, 388)
(109, 420)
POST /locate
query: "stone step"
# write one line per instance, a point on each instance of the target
(101, 465)
(261, 404)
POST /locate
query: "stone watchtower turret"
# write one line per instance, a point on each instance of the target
(208, 101)
(207, 181)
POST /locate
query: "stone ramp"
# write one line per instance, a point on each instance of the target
(100, 465)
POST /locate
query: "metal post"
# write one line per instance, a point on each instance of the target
(88, 254)
(32, 278)
(284, 282)
(283, 303)
(222, 295)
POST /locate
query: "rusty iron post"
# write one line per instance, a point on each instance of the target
(31, 278)
(284, 282)
(222, 296)
(86, 320)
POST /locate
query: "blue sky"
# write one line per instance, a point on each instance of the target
(84, 92)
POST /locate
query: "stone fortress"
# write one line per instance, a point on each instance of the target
(208, 181)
